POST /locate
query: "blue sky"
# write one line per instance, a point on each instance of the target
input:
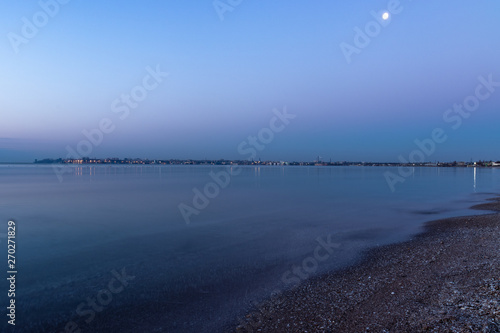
(226, 76)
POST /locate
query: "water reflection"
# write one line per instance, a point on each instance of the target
(475, 173)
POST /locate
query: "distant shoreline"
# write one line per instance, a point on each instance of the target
(223, 162)
(445, 277)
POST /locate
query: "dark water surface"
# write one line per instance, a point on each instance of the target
(265, 231)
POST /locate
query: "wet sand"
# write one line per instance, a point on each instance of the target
(446, 279)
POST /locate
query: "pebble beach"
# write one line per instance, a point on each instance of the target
(446, 279)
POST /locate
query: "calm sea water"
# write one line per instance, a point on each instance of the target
(256, 236)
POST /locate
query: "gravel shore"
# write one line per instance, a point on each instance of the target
(446, 279)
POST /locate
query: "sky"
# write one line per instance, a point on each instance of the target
(200, 79)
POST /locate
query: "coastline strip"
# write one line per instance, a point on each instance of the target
(446, 278)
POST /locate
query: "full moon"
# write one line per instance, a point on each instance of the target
(385, 16)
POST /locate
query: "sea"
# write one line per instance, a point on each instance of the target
(193, 248)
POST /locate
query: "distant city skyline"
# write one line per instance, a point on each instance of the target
(222, 161)
(365, 81)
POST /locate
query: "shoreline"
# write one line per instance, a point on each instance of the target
(446, 278)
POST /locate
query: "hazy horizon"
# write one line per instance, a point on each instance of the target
(322, 160)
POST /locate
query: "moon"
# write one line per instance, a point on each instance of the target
(385, 16)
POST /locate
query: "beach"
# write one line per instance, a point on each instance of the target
(446, 279)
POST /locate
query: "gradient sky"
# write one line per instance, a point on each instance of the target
(226, 77)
